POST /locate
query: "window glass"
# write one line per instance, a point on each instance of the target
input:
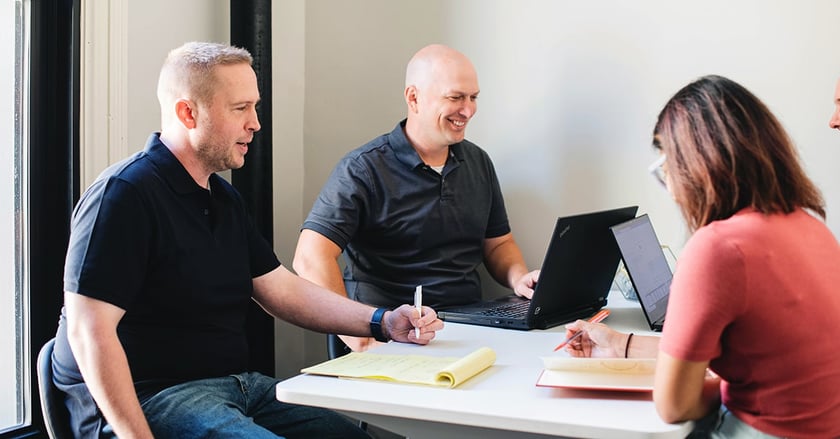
(14, 376)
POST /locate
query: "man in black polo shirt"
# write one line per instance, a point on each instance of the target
(162, 264)
(417, 206)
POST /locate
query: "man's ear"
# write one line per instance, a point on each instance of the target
(186, 113)
(411, 98)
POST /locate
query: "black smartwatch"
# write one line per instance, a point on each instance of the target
(376, 325)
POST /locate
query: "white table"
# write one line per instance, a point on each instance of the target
(502, 401)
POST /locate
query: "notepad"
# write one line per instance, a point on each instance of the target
(413, 369)
(619, 374)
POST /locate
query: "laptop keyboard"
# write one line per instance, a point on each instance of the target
(515, 309)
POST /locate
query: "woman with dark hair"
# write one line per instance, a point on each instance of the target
(754, 309)
(834, 122)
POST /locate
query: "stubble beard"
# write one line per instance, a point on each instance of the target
(217, 158)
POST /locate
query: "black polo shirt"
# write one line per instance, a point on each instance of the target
(402, 224)
(176, 257)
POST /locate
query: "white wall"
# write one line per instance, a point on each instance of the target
(154, 28)
(570, 90)
(296, 347)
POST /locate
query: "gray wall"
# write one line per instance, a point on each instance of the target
(570, 92)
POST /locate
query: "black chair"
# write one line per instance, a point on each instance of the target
(335, 347)
(56, 416)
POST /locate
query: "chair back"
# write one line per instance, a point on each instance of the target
(56, 416)
(336, 347)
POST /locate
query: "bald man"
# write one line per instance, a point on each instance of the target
(417, 206)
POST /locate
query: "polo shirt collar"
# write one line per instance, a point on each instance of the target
(405, 152)
(171, 169)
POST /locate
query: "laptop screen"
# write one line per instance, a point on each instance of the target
(578, 267)
(646, 265)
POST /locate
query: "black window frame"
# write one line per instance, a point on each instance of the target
(53, 169)
(54, 185)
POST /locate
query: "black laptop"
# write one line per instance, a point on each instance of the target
(646, 266)
(575, 278)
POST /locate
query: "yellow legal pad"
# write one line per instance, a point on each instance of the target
(413, 369)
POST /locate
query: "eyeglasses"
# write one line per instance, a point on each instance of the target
(657, 169)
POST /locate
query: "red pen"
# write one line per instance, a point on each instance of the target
(600, 315)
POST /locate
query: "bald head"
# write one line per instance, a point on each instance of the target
(434, 61)
(441, 89)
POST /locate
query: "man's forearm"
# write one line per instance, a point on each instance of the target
(104, 366)
(505, 262)
(326, 274)
(303, 303)
(316, 260)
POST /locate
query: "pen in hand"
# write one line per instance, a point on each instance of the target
(600, 315)
(418, 303)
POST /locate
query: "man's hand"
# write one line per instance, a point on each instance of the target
(400, 324)
(525, 285)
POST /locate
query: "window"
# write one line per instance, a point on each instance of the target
(14, 376)
(39, 52)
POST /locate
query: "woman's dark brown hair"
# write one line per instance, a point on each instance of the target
(726, 151)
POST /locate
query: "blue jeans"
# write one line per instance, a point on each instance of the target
(722, 424)
(239, 406)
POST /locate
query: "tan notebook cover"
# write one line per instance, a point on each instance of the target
(619, 374)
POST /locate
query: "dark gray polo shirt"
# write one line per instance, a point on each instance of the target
(401, 224)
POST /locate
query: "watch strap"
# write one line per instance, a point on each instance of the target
(376, 325)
